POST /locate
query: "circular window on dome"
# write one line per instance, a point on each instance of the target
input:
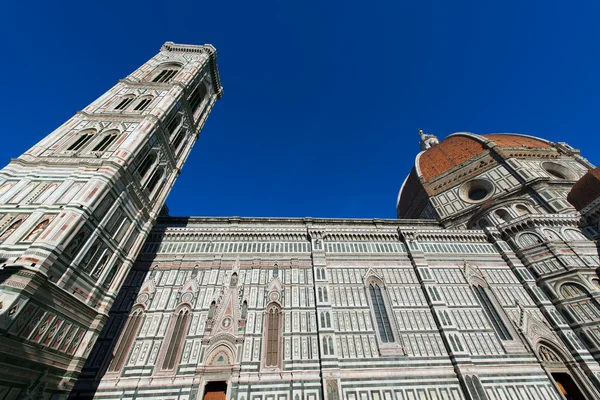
(476, 191)
(558, 171)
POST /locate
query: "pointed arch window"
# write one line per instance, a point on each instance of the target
(211, 310)
(273, 333)
(166, 74)
(123, 104)
(491, 312)
(37, 230)
(328, 346)
(129, 334)
(146, 164)
(143, 104)
(81, 141)
(106, 141)
(244, 309)
(178, 139)
(197, 97)
(381, 316)
(173, 125)
(156, 177)
(177, 336)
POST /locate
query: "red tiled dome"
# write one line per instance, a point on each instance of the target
(506, 140)
(448, 154)
(459, 148)
(452, 152)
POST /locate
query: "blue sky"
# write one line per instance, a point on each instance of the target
(322, 99)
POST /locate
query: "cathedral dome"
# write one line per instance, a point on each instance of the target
(459, 149)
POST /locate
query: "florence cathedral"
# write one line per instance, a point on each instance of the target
(486, 287)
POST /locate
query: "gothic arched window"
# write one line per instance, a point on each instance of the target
(173, 125)
(156, 177)
(491, 312)
(273, 333)
(129, 334)
(143, 103)
(125, 102)
(381, 315)
(146, 164)
(197, 97)
(211, 310)
(177, 336)
(244, 309)
(178, 139)
(81, 140)
(166, 73)
(107, 140)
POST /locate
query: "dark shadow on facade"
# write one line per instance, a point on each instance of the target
(100, 360)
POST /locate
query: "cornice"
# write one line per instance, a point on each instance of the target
(448, 236)
(317, 224)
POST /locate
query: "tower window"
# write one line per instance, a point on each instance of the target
(124, 103)
(178, 139)
(166, 75)
(141, 106)
(491, 313)
(177, 336)
(105, 143)
(129, 334)
(154, 180)
(146, 164)
(381, 315)
(81, 141)
(172, 126)
(273, 333)
(197, 97)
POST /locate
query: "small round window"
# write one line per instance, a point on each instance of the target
(476, 190)
(477, 194)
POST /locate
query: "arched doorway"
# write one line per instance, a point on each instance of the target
(560, 373)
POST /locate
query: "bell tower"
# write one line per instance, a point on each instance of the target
(77, 206)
